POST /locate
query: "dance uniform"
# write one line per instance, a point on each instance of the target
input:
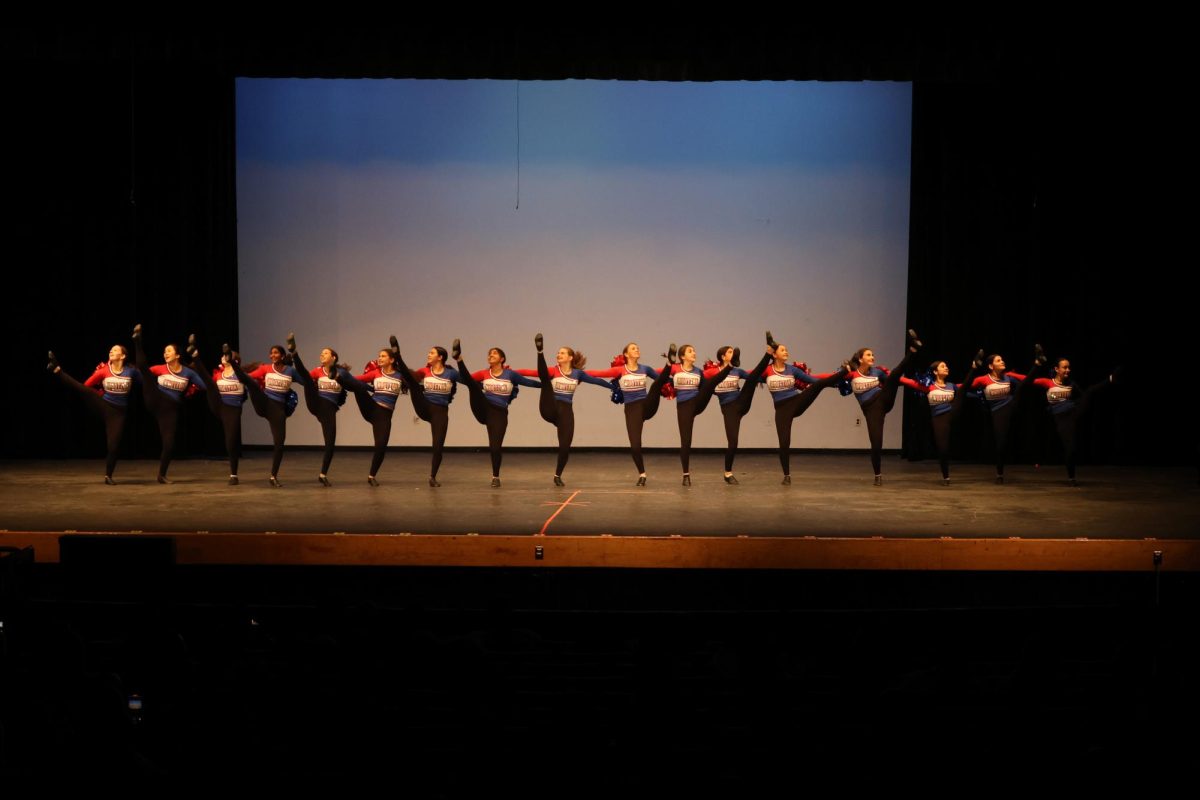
(376, 393)
(556, 400)
(431, 395)
(107, 394)
(323, 396)
(163, 390)
(641, 398)
(490, 397)
(875, 390)
(694, 389)
(1066, 404)
(793, 390)
(735, 402)
(999, 395)
(226, 395)
(945, 403)
(273, 400)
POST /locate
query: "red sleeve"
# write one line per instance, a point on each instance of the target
(910, 383)
(982, 380)
(218, 374)
(260, 373)
(480, 375)
(367, 377)
(712, 372)
(1045, 383)
(319, 372)
(528, 373)
(97, 377)
(1016, 375)
(159, 369)
(611, 372)
(823, 375)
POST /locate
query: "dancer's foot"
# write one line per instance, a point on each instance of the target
(371, 481)
(879, 480)
(233, 480)
(945, 481)
(433, 482)
(137, 331)
(731, 480)
(641, 481)
(978, 362)
(687, 480)
(914, 342)
(787, 480)
(1039, 355)
(291, 343)
(324, 481)
(395, 349)
(456, 349)
(558, 481)
(671, 352)
(53, 363)
(538, 341)
(495, 483)
(275, 484)
(191, 347)
(164, 479)
(108, 480)
(771, 343)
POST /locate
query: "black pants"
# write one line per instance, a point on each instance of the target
(558, 413)
(438, 416)
(164, 409)
(113, 416)
(322, 409)
(488, 414)
(688, 410)
(379, 417)
(637, 412)
(1002, 423)
(230, 416)
(1067, 425)
(273, 411)
(789, 409)
(735, 409)
(876, 410)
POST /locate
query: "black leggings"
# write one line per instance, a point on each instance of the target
(438, 416)
(488, 414)
(1067, 424)
(164, 409)
(688, 410)
(113, 416)
(558, 413)
(230, 416)
(1002, 422)
(379, 416)
(637, 412)
(878, 407)
(735, 409)
(273, 411)
(322, 409)
(789, 409)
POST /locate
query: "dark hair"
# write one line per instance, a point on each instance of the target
(1058, 361)
(577, 359)
(934, 365)
(124, 350)
(503, 358)
(679, 352)
(287, 358)
(442, 353)
(856, 359)
(737, 354)
(990, 359)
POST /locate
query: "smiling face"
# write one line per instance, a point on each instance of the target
(996, 365)
(276, 355)
(564, 356)
(688, 355)
(866, 360)
(495, 358)
(170, 355)
(434, 358)
(941, 371)
(384, 359)
(328, 358)
(1062, 370)
(781, 354)
(632, 352)
(116, 353)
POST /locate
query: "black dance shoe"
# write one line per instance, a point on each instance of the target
(456, 350)
(275, 484)
(53, 364)
(433, 482)
(108, 481)
(324, 481)
(914, 342)
(945, 481)
(771, 343)
(137, 331)
(495, 483)
(737, 357)
(978, 362)
(787, 481)
(164, 479)
(687, 480)
(672, 351)
(731, 480)
(233, 480)
(999, 480)
(558, 481)
(879, 480)
(538, 341)
(1039, 355)
(191, 347)
(371, 481)
(291, 343)
(641, 481)
(395, 349)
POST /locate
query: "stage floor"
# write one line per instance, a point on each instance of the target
(830, 496)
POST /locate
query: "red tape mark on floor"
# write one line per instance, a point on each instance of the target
(557, 511)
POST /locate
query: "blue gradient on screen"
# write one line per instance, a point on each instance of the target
(596, 212)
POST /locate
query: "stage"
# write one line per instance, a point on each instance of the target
(831, 517)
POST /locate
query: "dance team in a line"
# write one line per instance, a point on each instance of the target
(271, 388)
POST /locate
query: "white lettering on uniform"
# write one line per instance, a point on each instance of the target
(996, 391)
(686, 380)
(563, 385)
(497, 386)
(278, 382)
(633, 381)
(230, 386)
(117, 385)
(436, 385)
(939, 397)
(730, 384)
(328, 385)
(173, 382)
(386, 385)
(780, 383)
(1058, 394)
(864, 383)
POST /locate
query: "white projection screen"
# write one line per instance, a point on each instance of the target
(596, 212)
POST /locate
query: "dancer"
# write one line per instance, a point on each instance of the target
(1000, 388)
(432, 389)
(226, 395)
(274, 400)
(875, 390)
(945, 402)
(735, 400)
(793, 390)
(1066, 404)
(323, 396)
(106, 393)
(491, 392)
(163, 388)
(693, 389)
(375, 391)
(640, 396)
(558, 392)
